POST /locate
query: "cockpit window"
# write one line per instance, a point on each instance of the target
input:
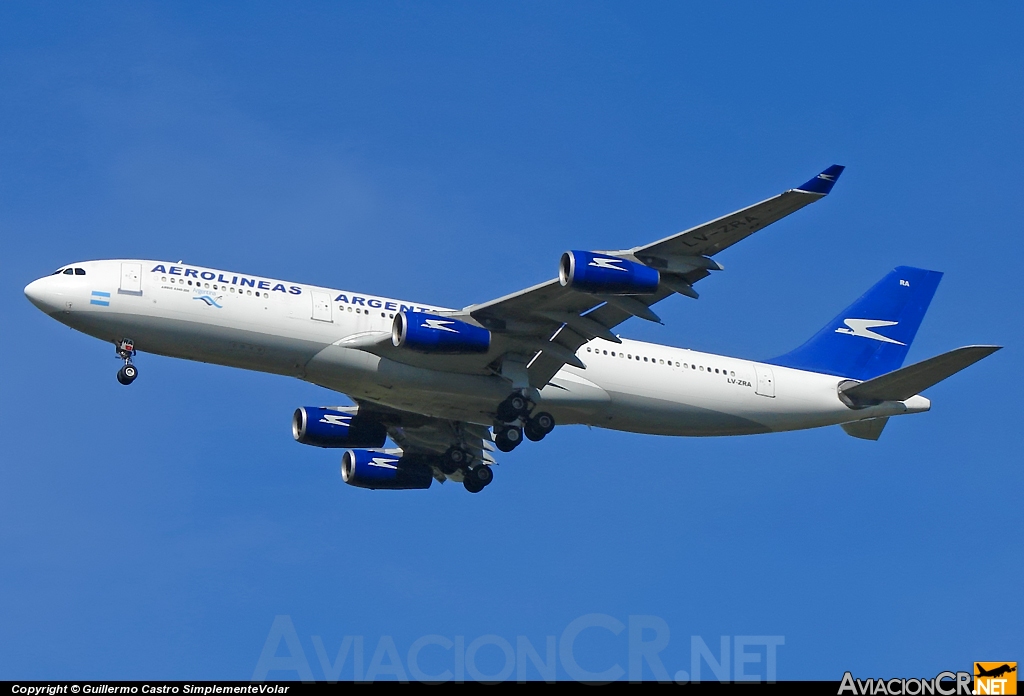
(58, 271)
(79, 271)
(69, 271)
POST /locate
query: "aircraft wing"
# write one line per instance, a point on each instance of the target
(712, 237)
(547, 323)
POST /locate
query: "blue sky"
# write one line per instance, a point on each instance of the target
(449, 152)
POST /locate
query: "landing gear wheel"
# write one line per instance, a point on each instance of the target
(127, 374)
(515, 406)
(456, 456)
(452, 460)
(481, 473)
(508, 438)
(544, 421)
(519, 404)
(471, 485)
(539, 426)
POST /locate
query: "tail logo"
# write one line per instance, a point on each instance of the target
(862, 328)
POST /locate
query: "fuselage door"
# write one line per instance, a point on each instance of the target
(321, 306)
(131, 279)
(765, 380)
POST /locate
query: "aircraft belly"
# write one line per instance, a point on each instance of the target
(669, 416)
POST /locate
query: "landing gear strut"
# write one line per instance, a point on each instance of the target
(125, 350)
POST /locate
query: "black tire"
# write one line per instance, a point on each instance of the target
(513, 435)
(455, 456)
(503, 443)
(127, 374)
(544, 422)
(532, 432)
(472, 485)
(504, 412)
(520, 406)
(515, 406)
(482, 474)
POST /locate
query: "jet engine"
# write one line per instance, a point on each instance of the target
(609, 275)
(336, 427)
(382, 470)
(430, 333)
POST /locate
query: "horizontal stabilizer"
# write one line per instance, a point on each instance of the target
(904, 383)
(867, 429)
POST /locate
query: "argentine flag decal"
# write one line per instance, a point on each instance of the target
(100, 298)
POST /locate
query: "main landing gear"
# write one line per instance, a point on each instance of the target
(515, 420)
(125, 350)
(476, 478)
(539, 426)
(476, 475)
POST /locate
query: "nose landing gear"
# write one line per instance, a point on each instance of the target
(125, 350)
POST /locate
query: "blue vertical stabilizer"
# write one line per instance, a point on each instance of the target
(871, 336)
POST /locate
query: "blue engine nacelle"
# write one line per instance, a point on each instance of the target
(380, 470)
(429, 333)
(331, 427)
(609, 275)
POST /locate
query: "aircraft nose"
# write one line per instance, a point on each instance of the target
(42, 295)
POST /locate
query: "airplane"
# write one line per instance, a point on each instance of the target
(451, 386)
(996, 671)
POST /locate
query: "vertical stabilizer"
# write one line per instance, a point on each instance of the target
(871, 336)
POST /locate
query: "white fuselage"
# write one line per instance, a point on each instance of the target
(295, 329)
